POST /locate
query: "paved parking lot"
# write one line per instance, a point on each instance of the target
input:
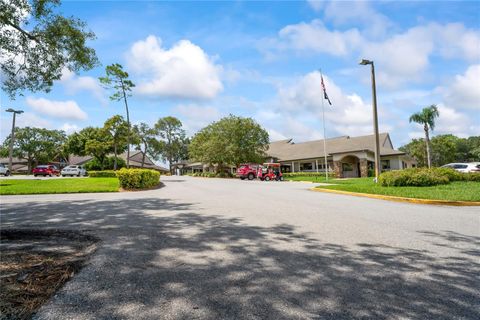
(229, 249)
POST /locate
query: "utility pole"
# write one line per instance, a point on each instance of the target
(375, 118)
(12, 137)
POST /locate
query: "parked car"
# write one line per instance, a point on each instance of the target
(74, 171)
(247, 171)
(464, 167)
(4, 170)
(46, 170)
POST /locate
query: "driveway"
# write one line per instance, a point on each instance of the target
(229, 249)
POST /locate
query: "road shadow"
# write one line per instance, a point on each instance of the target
(163, 260)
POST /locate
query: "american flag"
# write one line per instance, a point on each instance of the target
(325, 91)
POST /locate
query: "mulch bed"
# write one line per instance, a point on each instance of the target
(34, 264)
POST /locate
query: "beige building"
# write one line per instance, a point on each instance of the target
(347, 156)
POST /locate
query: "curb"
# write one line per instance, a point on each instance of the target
(401, 199)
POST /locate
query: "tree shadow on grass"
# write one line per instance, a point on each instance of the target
(162, 260)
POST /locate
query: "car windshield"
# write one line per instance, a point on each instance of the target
(42, 167)
(72, 167)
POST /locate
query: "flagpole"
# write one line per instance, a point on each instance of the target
(324, 134)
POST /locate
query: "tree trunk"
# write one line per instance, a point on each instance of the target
(143, 157)
(115, 157)
(170, 165)
(427, 143)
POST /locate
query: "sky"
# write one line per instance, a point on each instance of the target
(200, 61)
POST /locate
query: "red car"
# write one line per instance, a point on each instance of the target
(247, 171)
(46, 170)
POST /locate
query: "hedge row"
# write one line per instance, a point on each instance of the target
(138, 178)
(421, 177)
(212, 174)
(308, 174)
(102, 174)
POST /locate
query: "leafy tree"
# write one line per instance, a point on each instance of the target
(117, 128)
(426, 117)
(91, 141)
(36, 43)
(36, 144)
(172, 139)
(117, 80)
(444, 149)
(416, 149)
(146, 138)
(107, 164)
(231, 140)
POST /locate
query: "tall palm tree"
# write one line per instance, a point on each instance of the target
(427, 118)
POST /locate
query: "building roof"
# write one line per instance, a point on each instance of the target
(288, 150)
(135, 160)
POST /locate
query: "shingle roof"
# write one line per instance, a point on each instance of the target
(287, 150)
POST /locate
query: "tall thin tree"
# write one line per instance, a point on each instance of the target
(117, 80)
(426, 117)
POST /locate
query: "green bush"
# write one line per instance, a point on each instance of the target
(224, 175)
(95, 165)
(138, 178)
(102, 174)
(308, 174)
(413, 177)
(472, 176)
(451, 174)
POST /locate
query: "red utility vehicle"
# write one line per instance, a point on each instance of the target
(270, 171)
(46, 170)
(248, 171)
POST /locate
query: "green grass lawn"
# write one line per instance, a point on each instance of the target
(55, 185)
(454, 191)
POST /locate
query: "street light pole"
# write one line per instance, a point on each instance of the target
(12, 137)
(375, 118)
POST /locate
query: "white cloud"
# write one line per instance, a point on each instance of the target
(57, 109)
(195, 117)
(74, 84)
(69, 128)
(316, 5)
(402, 57)
(316, 37)
(183, 71)
(454, 122)
(464, 92)
(360, 12)
(26, 119)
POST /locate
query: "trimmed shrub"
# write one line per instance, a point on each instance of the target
(472, 176)
(412, 177)
(102, 174)
(308, 174)
(224, 175)
(138, 178)
(451, 174)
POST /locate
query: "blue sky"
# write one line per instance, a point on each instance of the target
(200, 61)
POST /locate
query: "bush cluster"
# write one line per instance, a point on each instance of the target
(421, 177)
(102, 174)
(308, 174)
(138, 178)
(212, 174)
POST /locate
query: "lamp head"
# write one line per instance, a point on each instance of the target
(364, 62)
(14, 111)
(10, 110)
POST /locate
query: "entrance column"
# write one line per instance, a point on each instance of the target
(316, 164)
(337, 167)
(293, 167)
(363, 168)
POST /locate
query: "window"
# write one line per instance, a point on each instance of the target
(347, 167)
(460, 166)
(306, 166)
(385, 164)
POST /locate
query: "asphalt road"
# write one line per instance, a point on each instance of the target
(229, 249)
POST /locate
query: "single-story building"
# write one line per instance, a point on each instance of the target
(21, 165)
(347, 156)
(135, 161)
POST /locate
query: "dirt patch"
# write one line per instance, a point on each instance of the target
(34, 264)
